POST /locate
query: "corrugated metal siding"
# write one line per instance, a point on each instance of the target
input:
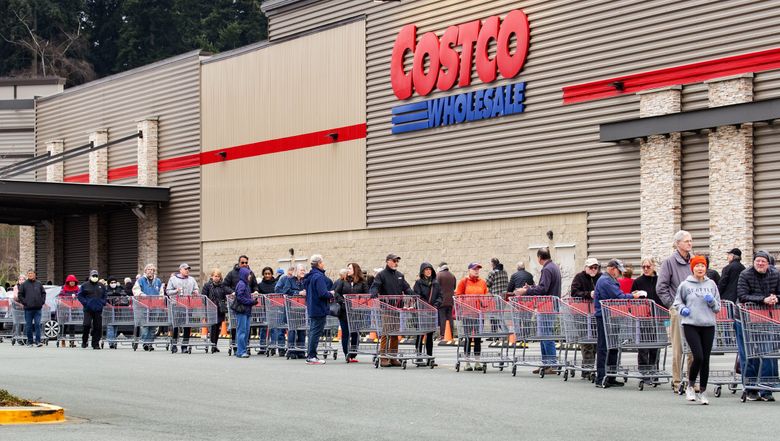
(41, 252)
(169, 89)
(696, 190)
(766, 174)
(76, 247)
(549, 159)
(122, 244)
(15, 144)
(694, 97)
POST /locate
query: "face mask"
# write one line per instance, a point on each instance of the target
(113, 285)
(93, 279)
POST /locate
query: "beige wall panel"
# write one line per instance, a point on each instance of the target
(309, 84)
(511, 240)
(300, 191)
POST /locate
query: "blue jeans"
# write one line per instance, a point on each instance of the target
(147, 334)
(296, 340)
(545, 327)
(32, 319)
(262, 335)
(242, 333)
(111, 334)
(316, 328)
(750, 367)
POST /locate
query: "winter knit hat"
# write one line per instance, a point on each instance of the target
(763, 254)
(695, 260)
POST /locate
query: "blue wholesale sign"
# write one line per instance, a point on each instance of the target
(456, 109)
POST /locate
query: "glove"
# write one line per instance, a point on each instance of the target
(709, 298)
(685, 312)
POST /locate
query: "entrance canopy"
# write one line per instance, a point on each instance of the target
(29, 203)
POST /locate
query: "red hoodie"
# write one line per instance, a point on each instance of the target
(67, 290)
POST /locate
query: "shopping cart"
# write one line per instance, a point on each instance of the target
(579, 328)
(17, 314)
(725, 343)
(761, 336)
(6, 320)
(363, 317)
(151, 312)
(297, 321)
(406, 316)
(483, 316)
(70, 312)
(257, 318)
(537, 319)
(632, 325)
(118, 315)
(276, 316)
(192, 311)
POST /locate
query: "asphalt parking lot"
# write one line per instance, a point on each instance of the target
(121, 394)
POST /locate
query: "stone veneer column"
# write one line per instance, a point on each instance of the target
(147, 175)
(660, 191)
(98, 232)
(731, 174)
(26, 249)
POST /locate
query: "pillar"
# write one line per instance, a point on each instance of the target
(55, 172)
(98, 232)
(147, 176)
(26, 249)
(660, 188)
(731, 174)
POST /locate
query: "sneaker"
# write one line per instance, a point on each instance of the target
(768, 397)
(536, 371)
(146, 348)
(753, 396)
(702, 398)
(468, 367)
(39, 344)
(29, 345)
(174, 350)
(314, 361)
(690, 394)
(352, 360)
(244, 355)
(477, 366)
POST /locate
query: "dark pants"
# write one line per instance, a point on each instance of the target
(348, 340)
(604, 358)
(216, 329)
(445, 315)
(32, 322)
(316, 328)
(93, 324)
(296, 341)
(477, 346)
(428, 343)
(700, 340)
(647, 360)
(185, 337)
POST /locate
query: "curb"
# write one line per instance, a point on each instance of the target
(40, 413)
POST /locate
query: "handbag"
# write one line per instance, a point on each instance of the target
(237, 306)
(334, 309)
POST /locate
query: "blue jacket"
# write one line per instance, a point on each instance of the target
(318, 295)
(607, 288)
(289, 286)
(150, 288)
(243, 291)
(92, 296)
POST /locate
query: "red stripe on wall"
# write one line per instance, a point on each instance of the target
(342, 134)
(685, 74)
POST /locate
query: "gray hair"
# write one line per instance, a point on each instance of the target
(680, 235)
(343, 271)
(648, 260)
(128, 280)
(520, 266)
(315, 259)
(300, 266)
(150, 266)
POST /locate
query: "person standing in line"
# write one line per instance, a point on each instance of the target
(296, 340)
(626, 281)
(727, 286)
(318, 288)
(217, 291)
(583, 287)
(498, 280)
(148, 285)
(32, 296)
(182, 284)
(472, 284)
(267, 285)
(549, 285)
(698, 302)
(674, 270)
(243, 310)
(116, 296)
(519, 279)
(447, 282)
(69, 290)
(428, 289)
(646, 283)
(389, 282)
(93, 296)
(354, 284)
(712, 274)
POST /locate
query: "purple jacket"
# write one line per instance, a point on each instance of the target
(549, 281)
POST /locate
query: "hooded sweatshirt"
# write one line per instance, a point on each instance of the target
(428, 288)
(243, 291)
(690, 294)
(318, 295)
(188, 285)
(70, 291)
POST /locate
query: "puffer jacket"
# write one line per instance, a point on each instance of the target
(217, 293)
(753, 287)
(93, 296)
(428, 289)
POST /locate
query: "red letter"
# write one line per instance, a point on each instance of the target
(448, 57)
(486, 68)
(467, 35)
(516, 22)
(429, 44)
(400, 80)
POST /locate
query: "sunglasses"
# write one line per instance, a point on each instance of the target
(243, 263)
(646, 266)
(594, 267)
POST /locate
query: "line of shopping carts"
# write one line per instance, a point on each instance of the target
(760, 330)
(13, 322)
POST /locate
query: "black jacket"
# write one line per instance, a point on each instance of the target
(647, 284)
(728, 280)
(390, 282)
(344, 287)
(231, 280)
(266, 286)
(583, 285)
(32, 295)
(753, 286)
(519, 279)
(217, 293)
(713, 275)
(92, 296)
(447, 283)
(114, 294)
(428, 289)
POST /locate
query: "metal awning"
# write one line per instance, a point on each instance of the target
(30, 202)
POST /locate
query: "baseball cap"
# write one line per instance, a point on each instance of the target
(615, 263)
(590, 261)
(474, 265)
(736, 252)
(93, 273)
(392, 256)
(184, 266)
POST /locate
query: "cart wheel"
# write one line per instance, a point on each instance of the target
(335, 355)
(541, 373)
(733, 388)
(744, 397)
(267, 353)
(681, 389)
(592, 377)
(501, 368)
(13, 342)
(484, 368)
(102, 345)
(559, 372)
(717, 392)
(641, 385)
(403, 365)
(625, 379)
(135, 346)
(457, 367)
(655, 384)
(432, 364)
(566, 376)
(376, 363)
(514, 371)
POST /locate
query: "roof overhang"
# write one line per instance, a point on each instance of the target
(31, 202)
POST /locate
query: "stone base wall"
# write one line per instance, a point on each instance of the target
(26, 248)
